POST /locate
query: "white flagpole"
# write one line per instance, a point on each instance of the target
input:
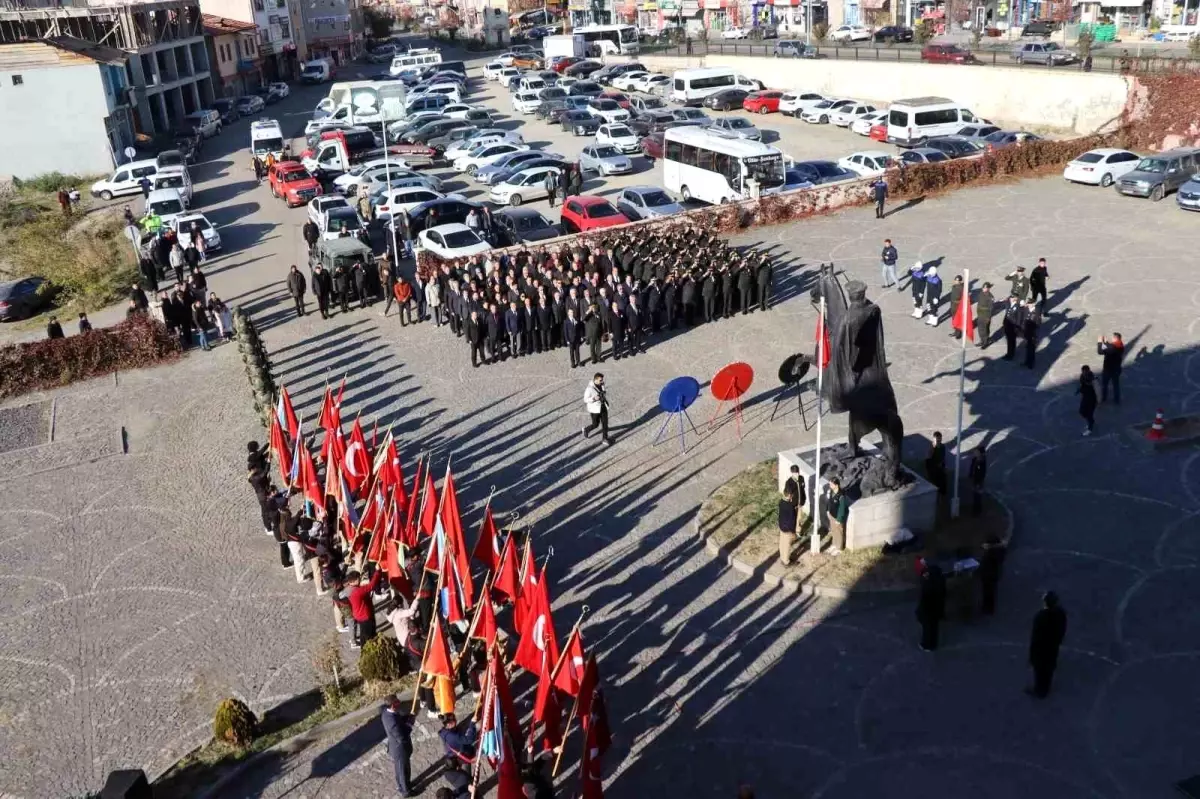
(814, 508)
(962, 382)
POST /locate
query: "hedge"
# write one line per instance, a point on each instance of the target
(135, 343)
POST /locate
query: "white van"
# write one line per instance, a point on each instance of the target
(691, 86)
(416, 58)
(266, 137)
(911, 122)
(318, 70)
(125, 179)
(166, 204)
(175, 177)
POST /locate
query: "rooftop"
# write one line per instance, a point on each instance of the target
(222, 26)
(56, 51)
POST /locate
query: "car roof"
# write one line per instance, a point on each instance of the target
(642, 189)
(1106, 151)
(872, 153)
(450, 227)
(345, 246)
(518, 213)
(588, 200)
(190, 216)
(163, 194)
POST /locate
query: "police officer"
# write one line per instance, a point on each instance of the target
(984, 307)
(1014, 322)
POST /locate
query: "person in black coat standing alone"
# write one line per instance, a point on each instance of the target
(1113, 353)
(573, 336)
(312, 234)
(1049, 629)
(397, 726)
(985, 305)
(297, 285)
(931, 607)
(592, 332)
(476, 335)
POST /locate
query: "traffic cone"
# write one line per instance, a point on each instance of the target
(1155, 433)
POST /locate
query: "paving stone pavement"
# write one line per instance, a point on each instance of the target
(148, 592)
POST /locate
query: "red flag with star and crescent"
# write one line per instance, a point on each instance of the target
(593, 713)
(570, 671)
(437, 659)
(537, 634)
(963, 319)
(547, 710)
(508, 580)
(357, 466)
(487, 546)
(527, 586)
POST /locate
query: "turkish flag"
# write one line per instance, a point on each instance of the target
(591, 708)
(456, 543)
(485, 622)
(507, 583)
(331, 418)
(822, 339)
(411, 521)
(487, 547)
(591, 781)
(429, 504)
(528, 586)
(509, 784)
(308, 477)
(963, 321)
(287, 415)
(357, 467)
(547, 710)
(437, 655)
(570, 670)
(537, 635)
(279, 446)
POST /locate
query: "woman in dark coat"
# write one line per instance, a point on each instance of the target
(931, 607)
(1087, 398)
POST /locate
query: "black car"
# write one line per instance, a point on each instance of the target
(726, 100)
(557, 110)
(585, 88)
(548, 107)
(583, 69)
(1038, 27)
(612, 71)
(22, 298)
(434, 130)
(580, 122)
(817, 172)
(654, 122)
(267, 97)
(448, 210)
(227, 110)
(954, 146)
(516, 225)
(894, 33)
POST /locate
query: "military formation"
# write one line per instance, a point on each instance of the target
(620, 290)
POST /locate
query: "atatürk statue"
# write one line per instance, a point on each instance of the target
(856, 379)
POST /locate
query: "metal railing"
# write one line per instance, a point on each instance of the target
(991, 56)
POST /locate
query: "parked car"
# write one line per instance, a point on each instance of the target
(620, 136)
(520, 187)
(947, 54)
(736, 128)
(817, 172)
(608, 110)
(735, 33)
(868, 163)
(1156, 176)
(336, 220)
(227, 109)
(322, 203)
(646, 202)
(279, 90)
(976, 132)
(582, 69)
(850, 33)
(1102, 166)
(652, 83)
(604, 159)
(652, 145)
(845, 116)
(485, 154)
(725, 100)
(762, 102)
(893, 33)
(23, 298)
(562, 64)
(1048, 53)
(793, 49)
(796, 103)
(795, 179)
(626, 82)
(1005, 138)
(492, 70)
(654, 122)
(585, 88)
(518, 225)
(505, 165)
(581, 213)
(1038, 27)
(454, 240)
(955, 146)
(249, 104)
(693, 116)
(922, 155)
(644, 104)
(620, 98)
(580, 122)
(208, 231)
(820, 113)
(526, 102)
(1188, 197)
(862, 126)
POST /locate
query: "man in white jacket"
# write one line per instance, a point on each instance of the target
(596, 402)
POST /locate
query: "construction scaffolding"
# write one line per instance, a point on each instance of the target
(125, 26)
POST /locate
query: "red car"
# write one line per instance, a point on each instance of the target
(652, 145)
(560, 65)
(947, 54)
(620, 98)
(878, 132)
(762, 102)
(581, 213)
(291, 181)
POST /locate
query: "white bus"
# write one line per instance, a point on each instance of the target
(698, 165)
(417, 57)
(611, 39)
(691, 86)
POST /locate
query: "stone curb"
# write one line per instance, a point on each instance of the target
(805, 587)
(296, 744)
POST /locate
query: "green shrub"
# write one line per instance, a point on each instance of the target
(234, 723)
(382, 660)
(50, 182)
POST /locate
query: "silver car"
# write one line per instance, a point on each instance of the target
(736, 128)
(646, 202)
(604, 159)
(490, 174)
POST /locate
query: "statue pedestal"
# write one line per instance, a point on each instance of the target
(872, 519)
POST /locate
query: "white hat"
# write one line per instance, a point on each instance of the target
(918, 266)
(931, 271)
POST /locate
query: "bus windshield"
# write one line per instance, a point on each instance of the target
(766, 169)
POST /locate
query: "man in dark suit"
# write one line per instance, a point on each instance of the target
(494, 322)
(616, 327)
(397, 724)
(545, 325)
(634, 326)
(573, 336)
(592, 332)
(512, 326)
(476, 334)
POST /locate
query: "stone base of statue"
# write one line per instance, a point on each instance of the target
(875, 514)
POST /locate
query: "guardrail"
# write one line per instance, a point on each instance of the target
(1107, 64)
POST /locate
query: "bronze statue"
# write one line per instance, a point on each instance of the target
(856, 382)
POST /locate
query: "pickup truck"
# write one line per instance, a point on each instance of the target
(332, 157)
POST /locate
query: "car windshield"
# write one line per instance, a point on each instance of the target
(653, 199)
(268, 145)
(1090, 158)
(606, 152)
(532, 222)
(649, 103)
(601, 210)
(553, 93)
(738, 122)
(1152, 165)
(296, 174)
(620, 132)
(170, 182)
(606, 105)
(461, 238)
(201, 224)
(343, 220)
(166, 207)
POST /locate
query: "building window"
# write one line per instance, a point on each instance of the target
(258, 5)
(285, 30)
(18, 80)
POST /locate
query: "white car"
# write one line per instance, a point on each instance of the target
(850, 33)
(183, 223)
(868, 163)
(335, 220)
(607, 109)
(526, 102)
(454, 240)
(528, 184)
(735, 33)
(279, 89)
(844, 116)
(458, 110)
(796, 103)
(1101, 167)
(821, 112)
(324, 202)
(508, 75)
(506, 59)
(652, 83)
(862, 126)
(619, 136)
(486, 136)
(405, 199)
(451, 91)
(491, 70)
(484, 154)
(628, 81)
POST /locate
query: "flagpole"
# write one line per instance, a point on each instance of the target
(574, 707)
(562, 656)
(962, 383)
(814, 537)
(435, 618)
(474, 622)
(485, 697)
